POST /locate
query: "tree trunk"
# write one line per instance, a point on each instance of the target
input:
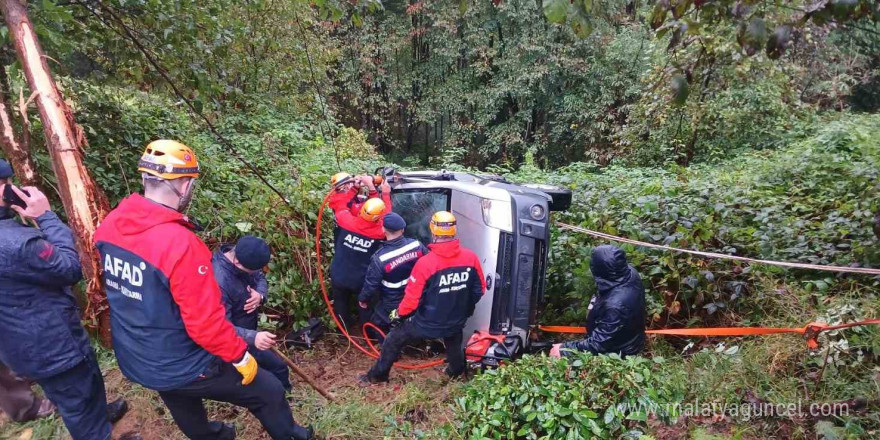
(15, 148)
(85, 204)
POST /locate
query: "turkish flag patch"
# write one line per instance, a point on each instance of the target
(47, 251)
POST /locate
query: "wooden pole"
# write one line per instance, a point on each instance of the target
(85, 203)
(303, 375)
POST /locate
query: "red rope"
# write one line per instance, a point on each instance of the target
(811, 331)
(374, 353)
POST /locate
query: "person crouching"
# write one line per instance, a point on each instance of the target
(441, 294)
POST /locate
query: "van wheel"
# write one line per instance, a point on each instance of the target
(561, 197)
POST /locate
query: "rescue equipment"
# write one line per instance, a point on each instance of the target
(372, 209)
(168, 159)
(443, 224)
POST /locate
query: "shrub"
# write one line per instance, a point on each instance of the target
(810, 202)
(579, 397)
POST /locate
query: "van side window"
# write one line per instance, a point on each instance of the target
(417, 207)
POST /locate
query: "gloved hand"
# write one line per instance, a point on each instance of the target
(247, 366)
(394, 317)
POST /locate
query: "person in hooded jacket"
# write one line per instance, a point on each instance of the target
(42, 336)
(244, 288)
(617, 314)
(170, 332)
(389, 270)
(358, 238)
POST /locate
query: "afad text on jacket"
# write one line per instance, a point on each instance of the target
(166, 315)
(444, 289)
(356, 242)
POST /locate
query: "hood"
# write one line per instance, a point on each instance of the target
(136, 214)
(609, 267)
(446, 249)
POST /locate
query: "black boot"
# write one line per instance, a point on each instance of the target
(116, 410)
(223, 431)
(304, 433)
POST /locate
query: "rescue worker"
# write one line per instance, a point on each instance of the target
(42, 336)
(244, 288)
(389, 270)
(346, 191)
(441, 294)
(170, 331)
(617, 314)
(358, 239)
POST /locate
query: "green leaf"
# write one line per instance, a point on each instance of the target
(556, 10)
(462, 7)
(680, 89)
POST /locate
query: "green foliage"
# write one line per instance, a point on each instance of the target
(579, 397)
(811, 202)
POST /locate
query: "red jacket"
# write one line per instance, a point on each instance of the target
(167, 317)
(347, 200)
(444, 289)
(355, 243)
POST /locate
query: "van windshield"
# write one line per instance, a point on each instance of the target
(416, 206)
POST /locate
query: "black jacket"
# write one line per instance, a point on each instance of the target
(39, 320)
(387, 275)
(616, 320)
(234, 284)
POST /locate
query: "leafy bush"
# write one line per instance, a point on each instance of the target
(583, 396)
(810, 202)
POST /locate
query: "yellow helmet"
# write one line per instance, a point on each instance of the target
(443, 224)
(340, 179)
(169, 160)
(372, 209)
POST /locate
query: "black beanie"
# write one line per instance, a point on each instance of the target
(253, 253)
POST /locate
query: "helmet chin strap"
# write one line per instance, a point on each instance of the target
(183, 200)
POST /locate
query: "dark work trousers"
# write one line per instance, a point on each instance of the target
(16, 398)
(78, 393)
(409, 332)
(344, 299)
(383, 325)
(264, 398)
(270, 361)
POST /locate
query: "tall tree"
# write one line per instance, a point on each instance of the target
(83, 201)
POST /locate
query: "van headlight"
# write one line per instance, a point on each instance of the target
(496, 214)
(537, 212)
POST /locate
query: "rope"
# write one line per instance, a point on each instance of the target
(859, 270)
(372, 351)
(810, 331)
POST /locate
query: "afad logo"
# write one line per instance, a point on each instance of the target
(125, 271)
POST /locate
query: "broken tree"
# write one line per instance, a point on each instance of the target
(15, 148)
(83, 201)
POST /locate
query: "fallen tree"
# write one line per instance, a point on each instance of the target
(84, 202)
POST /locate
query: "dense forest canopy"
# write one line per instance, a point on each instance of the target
(741, 127)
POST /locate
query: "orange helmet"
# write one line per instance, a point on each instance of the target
(443, 224)
(372, 209)
(169, 160)
(340, 179)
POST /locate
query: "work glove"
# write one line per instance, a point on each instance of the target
(394, 317)
(247, 366)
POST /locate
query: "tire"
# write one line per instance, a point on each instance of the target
(561, 197)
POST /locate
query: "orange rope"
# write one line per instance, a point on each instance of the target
(374, 353)
(811, 331)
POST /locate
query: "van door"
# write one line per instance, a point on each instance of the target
(483, 240)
